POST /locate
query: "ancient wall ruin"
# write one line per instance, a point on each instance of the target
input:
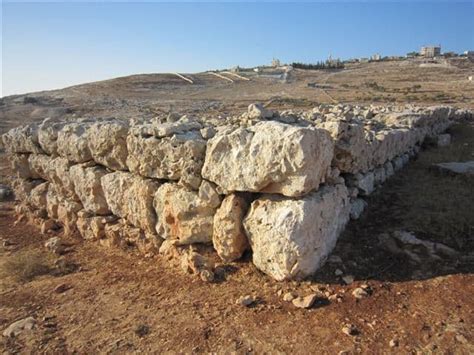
(282, 184)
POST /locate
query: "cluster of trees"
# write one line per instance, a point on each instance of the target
(328, 64)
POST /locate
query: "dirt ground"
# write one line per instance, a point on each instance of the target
(117, 301)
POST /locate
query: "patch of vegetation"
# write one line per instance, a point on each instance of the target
(333, 64)
(24, 266)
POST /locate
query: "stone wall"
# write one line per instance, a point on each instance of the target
(281, 184)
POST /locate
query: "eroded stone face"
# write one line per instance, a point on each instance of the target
(88, 187)
(21, 167)
(40, 165)
(291, 238)
(23, 139)
(108, 144)
(48, 135)
(131, 197)
(269, 157)
(183, 215)
(176, 157)
(228, 235)
(60, 177)
(73, 144)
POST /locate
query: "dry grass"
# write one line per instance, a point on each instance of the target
(24, 266)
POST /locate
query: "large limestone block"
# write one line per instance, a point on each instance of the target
(108, 144)
(20, 166)
(131, 197)
(60, 177)
(73, 144)
(185, 215)
(48, 135)
(291, 238)
(67, 212)
(228, 235)
(269, 157)
(176, 157)
(23, 139)
(88, 187)
(352, 151)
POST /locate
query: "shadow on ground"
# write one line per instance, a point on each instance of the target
(435, 207)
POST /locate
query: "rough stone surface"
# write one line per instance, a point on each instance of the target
(131, 197)
(269, 157)
(464, 168)
(73, 143)
(107, 142)
(88, 187)
(40, 164)
(183, 215)
(23, 139)
(357, 208)
(48, 135)
(21, 167)
(363, 182)
(291, 238)
(228, 236)
(305, 302)
(176, 157)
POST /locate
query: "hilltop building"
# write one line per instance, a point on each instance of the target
(275, 63)
(376, 57)
(430, 51)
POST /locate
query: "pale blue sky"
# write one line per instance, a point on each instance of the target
(53, 45)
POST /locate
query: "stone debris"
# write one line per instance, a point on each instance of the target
(289, 296)
(417, 250)
(462, 168)
(283, 184)
(305, 302)
(246, 300)
(348, 279)
(350, 329)
(55, 245)
(360, 293)
(393, 343)
(19, 327)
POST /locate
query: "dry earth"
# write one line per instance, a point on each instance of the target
(116, 301)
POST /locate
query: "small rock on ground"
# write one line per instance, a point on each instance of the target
(305, 302)
(19, 327)
(246, 300)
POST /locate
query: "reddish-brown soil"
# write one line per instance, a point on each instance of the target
(119, 302)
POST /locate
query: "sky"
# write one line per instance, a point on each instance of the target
(58, 44)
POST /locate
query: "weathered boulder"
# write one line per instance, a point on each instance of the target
(88, 187)
(171, 153)
(60, 176)
(23, 139)
(48, 135)
(131, 197)
(67, 211)
(73, 143)
(228, 235)
(257, 111)
(357, 208)
(19, 327)
(269, 157)
(183, 215)
(291, 238)
(107, 142)
(37, 196)
(21, 167)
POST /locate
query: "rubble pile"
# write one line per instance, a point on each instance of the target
(281, 184)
